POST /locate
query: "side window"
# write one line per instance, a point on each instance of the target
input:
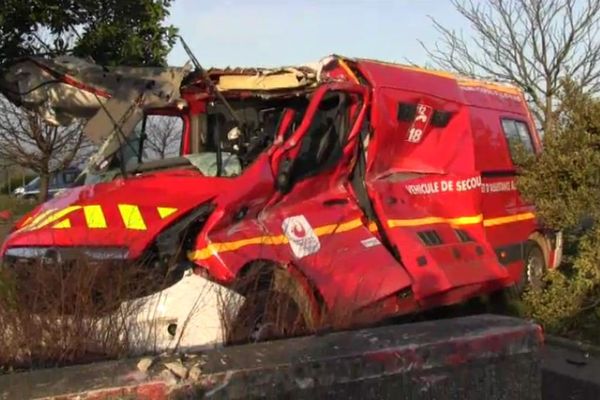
(163, 137)
(322, 145)
(517, 132)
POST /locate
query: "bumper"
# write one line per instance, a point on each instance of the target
(63, 254)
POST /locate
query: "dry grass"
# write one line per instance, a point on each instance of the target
(55, 315)
(269, 308)
(275, 305)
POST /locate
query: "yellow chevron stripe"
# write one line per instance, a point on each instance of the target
(55, 217)
(132, 217)
(164, 212)
(65, 223)
(94, 217)
(346, 68)
(31, 222)
(27, 221)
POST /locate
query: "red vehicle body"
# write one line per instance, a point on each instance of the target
(382, 188)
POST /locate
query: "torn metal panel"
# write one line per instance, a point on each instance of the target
(308, 75)
(287, 78)
(68, 88)
(184, 316)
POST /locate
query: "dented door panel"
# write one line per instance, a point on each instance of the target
(316, 225)
(439, 236)
(329, 240)
(427, 193)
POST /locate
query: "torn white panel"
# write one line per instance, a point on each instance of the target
(57, 103)
(65, 88)
(318, 66)
(184, 316)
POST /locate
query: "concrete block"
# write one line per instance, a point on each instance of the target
(480, 357)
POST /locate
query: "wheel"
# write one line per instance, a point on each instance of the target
(533, 271)
(275, 306)
(535, 267)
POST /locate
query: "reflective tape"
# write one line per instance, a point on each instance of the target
(31, 222)
(164, 212)
(27, 221)
(53, 217)
(216, 248)
(468, 220)
(338, 228)
(373, 227)
(132, 217)
(94, 217)
(65, 223)
(508, 219)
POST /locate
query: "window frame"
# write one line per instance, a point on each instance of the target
(531, 148)
(350, 121)
(182, 133)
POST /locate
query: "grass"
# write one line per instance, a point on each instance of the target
(16, 207)
(58, 315)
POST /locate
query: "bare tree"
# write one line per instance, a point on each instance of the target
(534, 44)
(163, 135)
(26, 140)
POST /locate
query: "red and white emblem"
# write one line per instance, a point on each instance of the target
(420, 123)
(302, 238)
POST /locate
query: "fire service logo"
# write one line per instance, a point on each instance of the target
(303, 240)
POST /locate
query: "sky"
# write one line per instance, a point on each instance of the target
(286, 32)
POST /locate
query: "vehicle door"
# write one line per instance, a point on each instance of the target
(426, 195)
(327, 234)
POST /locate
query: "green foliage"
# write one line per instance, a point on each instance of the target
(111, 32)
(564, 184)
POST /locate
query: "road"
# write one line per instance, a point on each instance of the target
(570, 372)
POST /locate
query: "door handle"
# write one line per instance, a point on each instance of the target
(335, 202)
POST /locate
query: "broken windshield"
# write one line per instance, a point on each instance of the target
(211, 142)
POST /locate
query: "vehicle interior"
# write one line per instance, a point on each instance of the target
(224, 145)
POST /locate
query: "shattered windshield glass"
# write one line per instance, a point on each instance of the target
(156, 143)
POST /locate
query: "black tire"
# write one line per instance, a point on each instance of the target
(533, 271)
(275, 306)
(535, 267)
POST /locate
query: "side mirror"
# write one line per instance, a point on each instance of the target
(283, 183)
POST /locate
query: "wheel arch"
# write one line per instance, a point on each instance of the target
(551, 245)
(307, 289)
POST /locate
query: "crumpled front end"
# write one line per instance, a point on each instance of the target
(138, 220)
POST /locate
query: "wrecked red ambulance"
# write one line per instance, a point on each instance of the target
(368, 188)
